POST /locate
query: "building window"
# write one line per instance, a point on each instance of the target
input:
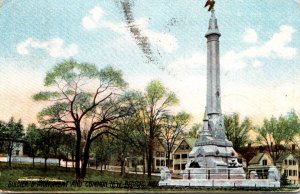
(285, 162)
(17, 152)
(286, 172)
(157, 154)
(182, 147)
(294, 173)
(157, 163)
(177, 167)
(184, 156)
(294, 162)
(265, 162)
(290, 162)
(290, 173)
(162, 154)
(293, 147)
(162, 163)
(182, 166)
(176, 156)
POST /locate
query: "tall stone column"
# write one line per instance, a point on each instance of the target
(213, 98)
(213, 95)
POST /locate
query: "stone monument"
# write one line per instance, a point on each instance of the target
(213, 161)
(213, 156)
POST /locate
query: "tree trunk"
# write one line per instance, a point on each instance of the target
(86, 156)
(67, 163)
(9, 159)
(122, 167)
(168, 160)
(77, 153)
(45, 163)
(144, 165)
(149, 162)
(73, 161)
(101, 165)
(33, 161)
(59, 159)
(149, 159)
(10, 149)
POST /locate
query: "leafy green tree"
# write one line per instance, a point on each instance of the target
(67, 147)
(11, 133)
(48, 139)
(194, 131)
(85, 101)
(237, 132)
(138, 135)
(103, 149)
(278, 133)
(171, 128)
(126, 139)
(157, 102)
(2, 137)
(33, 139)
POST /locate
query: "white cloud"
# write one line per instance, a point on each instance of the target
(94, 20)
(250, 36)
(54, 47)
(91, 21)
(275, 48)
(278, 44)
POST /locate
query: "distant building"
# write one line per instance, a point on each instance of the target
(159, 156)
(287, 163)
(180, 154)
(261, 164)
(18, 149)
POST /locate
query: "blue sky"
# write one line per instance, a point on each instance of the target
(259, 48)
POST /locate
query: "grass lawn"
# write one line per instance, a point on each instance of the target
(21, 171)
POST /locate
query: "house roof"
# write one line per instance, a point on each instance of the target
(256, 159)
(189, 140)
(284, 156)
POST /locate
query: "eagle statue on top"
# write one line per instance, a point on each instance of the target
(210, 4)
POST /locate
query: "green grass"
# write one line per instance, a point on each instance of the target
(20, 171)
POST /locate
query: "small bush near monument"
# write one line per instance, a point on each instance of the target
(284, 180)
